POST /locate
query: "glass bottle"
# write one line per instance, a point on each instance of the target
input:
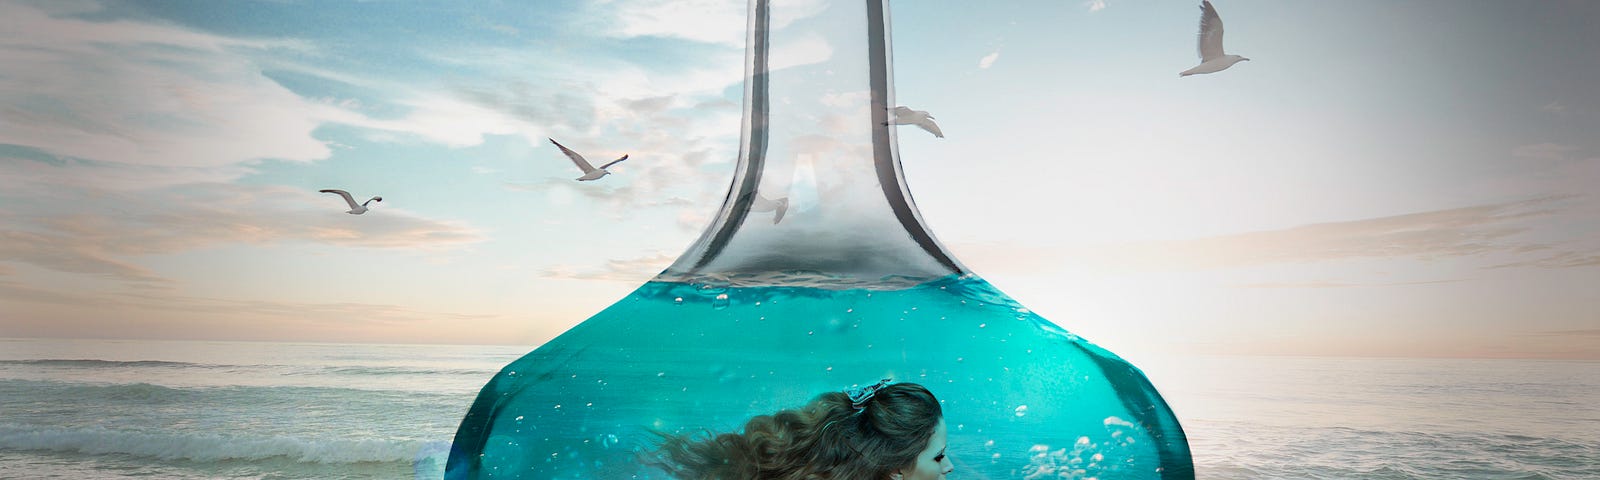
(818, 274)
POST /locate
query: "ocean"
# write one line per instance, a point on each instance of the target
(111, 409)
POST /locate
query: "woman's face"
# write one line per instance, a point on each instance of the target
(932, 463)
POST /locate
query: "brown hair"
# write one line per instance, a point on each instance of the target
(826, 439)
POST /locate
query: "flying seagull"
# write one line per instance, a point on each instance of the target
(589, 172)
(355, 208)
(763, 204)
(1212, 59)
(904, 115)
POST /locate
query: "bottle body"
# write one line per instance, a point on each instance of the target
(817, 274)
(1021, 396)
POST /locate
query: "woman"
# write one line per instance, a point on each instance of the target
(885, 431)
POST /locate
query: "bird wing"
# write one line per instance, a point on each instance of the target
(614, 162)
(927, 124)
(576, 159)
(1210, 36)
(907, 116)
(347, 198)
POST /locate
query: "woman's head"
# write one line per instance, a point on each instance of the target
(885, 427)
(895, 433)
(932, 463)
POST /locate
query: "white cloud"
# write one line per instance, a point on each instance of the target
(630, 270)
(805, 49)
(146, 94)
(133, 106)
(1095, 5)
(988, 60)
(1454, 233)
(103, 232)
(846, 99)
(162, 96)
(709, 21)
(22, 177)
(453, 122)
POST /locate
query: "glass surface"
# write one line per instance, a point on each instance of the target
(817, 275)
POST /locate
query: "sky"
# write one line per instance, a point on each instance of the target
(1381, 179)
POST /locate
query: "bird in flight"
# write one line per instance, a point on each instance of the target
(764, 204)
(589, 171)
(1212, 59)
(355, 208)
(904, 115)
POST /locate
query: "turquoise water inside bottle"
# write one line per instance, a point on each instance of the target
(1023, 398)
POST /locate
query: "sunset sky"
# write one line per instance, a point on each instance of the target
(1382, 178)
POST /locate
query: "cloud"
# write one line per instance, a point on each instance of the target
(518, 100)
(11, 291)
(27, 172)
(617, 270)
(1544, 151)
(674, 121)
(1587, 332)
(494, 26)
(102, 232)
(167, 315)
(1328, 284)
(1555, 169)
(649, 105)
(343, 312)
(147, 94)
(1567, 259)
(1437, 234)
(807, 49)
(1554, 107)
(1095, 5)
(988, 60)
(1458, 232)
(132, 106)
(157, 95)
(60, 252)
(708, 21)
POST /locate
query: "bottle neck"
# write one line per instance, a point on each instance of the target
(818, 196)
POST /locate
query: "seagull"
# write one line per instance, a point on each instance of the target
(1212, 59)
(589, 172)
(355, 209)
(904, 115)
(763, 204)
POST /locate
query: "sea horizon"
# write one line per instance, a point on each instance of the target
(107, 409)
(530, 347)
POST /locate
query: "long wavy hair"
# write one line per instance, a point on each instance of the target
(826, 439)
